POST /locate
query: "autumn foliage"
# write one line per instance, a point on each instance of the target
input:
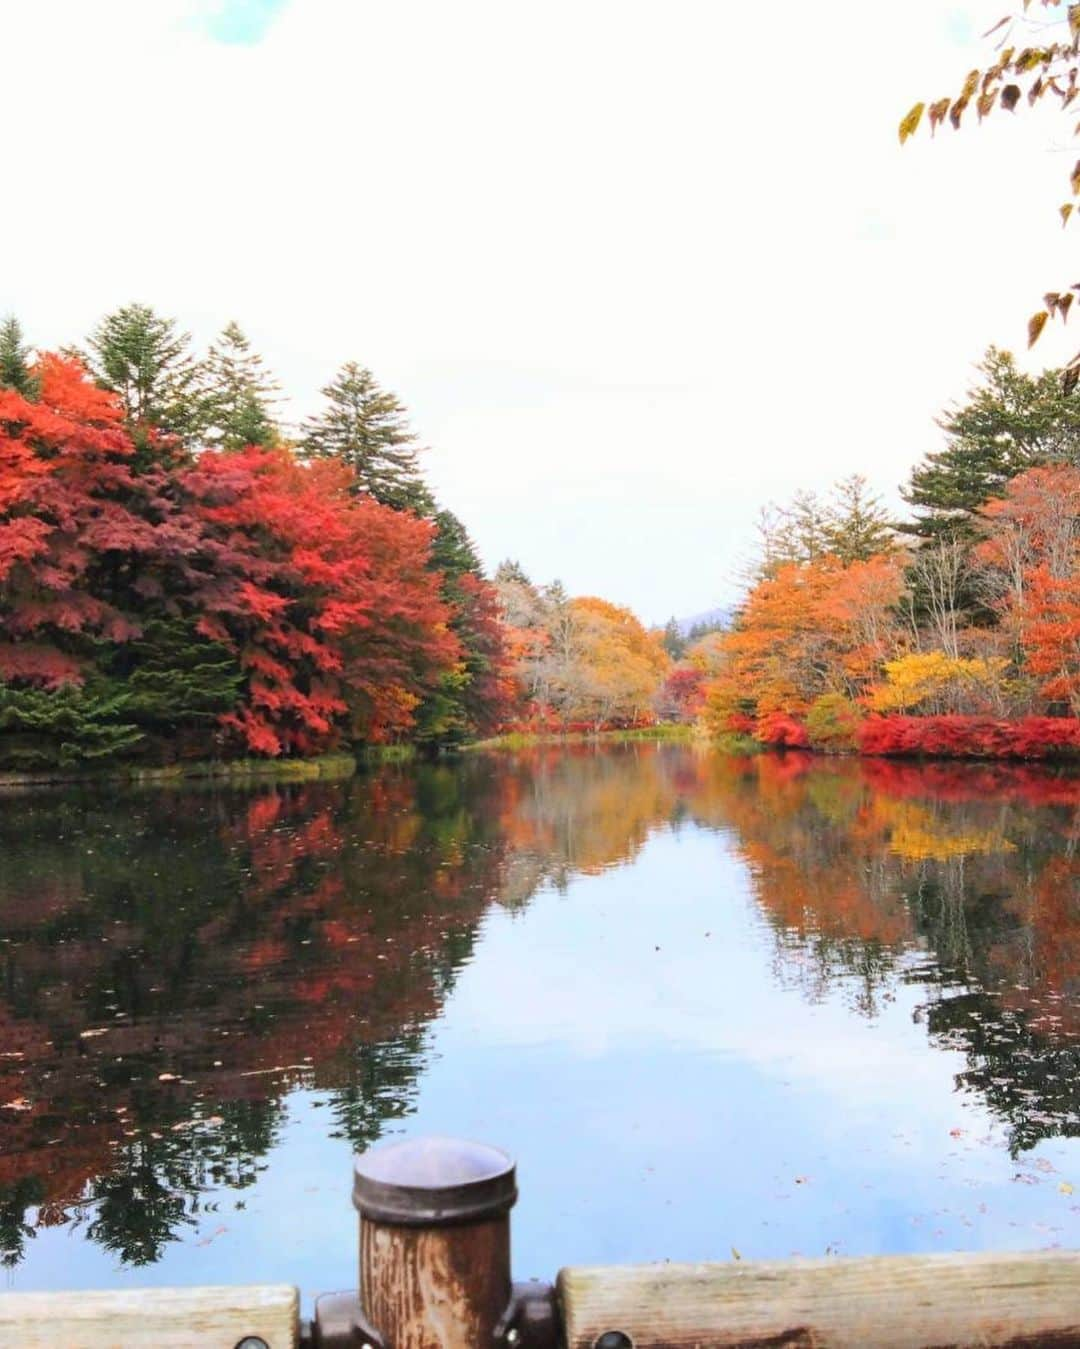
(966, 646)
(321, 602)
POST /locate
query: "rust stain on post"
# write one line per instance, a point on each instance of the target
(435, 1241)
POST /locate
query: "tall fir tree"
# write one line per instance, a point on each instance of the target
(858, 527)
(365, 427)
(149, 365)
(509, 571)
(15, 359)
(461, 705)
(1010, 422)
(673, 641)
(239, 394)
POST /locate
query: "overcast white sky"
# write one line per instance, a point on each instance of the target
(635, 268)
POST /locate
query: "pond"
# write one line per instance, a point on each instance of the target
(767, 1006)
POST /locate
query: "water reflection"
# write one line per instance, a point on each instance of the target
(178, 963)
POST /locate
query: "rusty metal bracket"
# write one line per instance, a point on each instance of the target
(531, 1320)
(339, 1323)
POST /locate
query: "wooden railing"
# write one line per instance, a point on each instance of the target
(435, 1274)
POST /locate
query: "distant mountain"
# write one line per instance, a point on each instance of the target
(720, 617)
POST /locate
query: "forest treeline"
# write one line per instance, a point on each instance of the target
(183, 576)
(954, 631)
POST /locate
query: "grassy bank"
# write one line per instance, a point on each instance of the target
(330, 767)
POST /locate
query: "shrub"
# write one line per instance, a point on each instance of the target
(781, 730)
(965, 737)
(832, 723)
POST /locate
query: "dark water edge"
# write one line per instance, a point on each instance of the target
(784, 1003)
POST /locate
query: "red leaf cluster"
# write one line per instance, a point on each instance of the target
(781, 730)
(325, 598)
(968, 737)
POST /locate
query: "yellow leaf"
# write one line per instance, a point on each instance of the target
(1065, 1188)
(1074, 20)
(1066, 211)
(910, 124)
(1036, 324)
(736, 1253)
(985, 103)
(1074, 177)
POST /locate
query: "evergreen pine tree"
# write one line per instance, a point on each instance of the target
(15, 359)
(239, 394)
(508, 571)
(1010, 422)
(857, 528)
(453, 551)
(365, 427)
(61, 728)
(450, 713)
(674, 642)
(143, 359)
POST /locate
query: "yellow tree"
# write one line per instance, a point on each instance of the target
(617, 667)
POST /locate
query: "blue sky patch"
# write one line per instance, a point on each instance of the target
(241, 23)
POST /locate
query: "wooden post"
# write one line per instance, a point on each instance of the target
(435, 1242)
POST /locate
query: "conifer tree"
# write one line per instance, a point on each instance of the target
(453, 551)
(148, 364)
(462, 704)
(15, 359)
(365, 427)
(510, 572)
(239, 394)
(1010, 422)
(674, 642)
(857, 528)
(808, 526)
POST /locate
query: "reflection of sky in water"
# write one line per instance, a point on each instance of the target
(662, 1104)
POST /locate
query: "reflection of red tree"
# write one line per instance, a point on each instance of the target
(290, 974)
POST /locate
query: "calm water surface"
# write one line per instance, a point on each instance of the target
(782, 1005)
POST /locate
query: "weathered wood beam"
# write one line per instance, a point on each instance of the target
(892, 1302)
(151, 1318)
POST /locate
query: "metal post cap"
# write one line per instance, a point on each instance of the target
(433, 1182)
